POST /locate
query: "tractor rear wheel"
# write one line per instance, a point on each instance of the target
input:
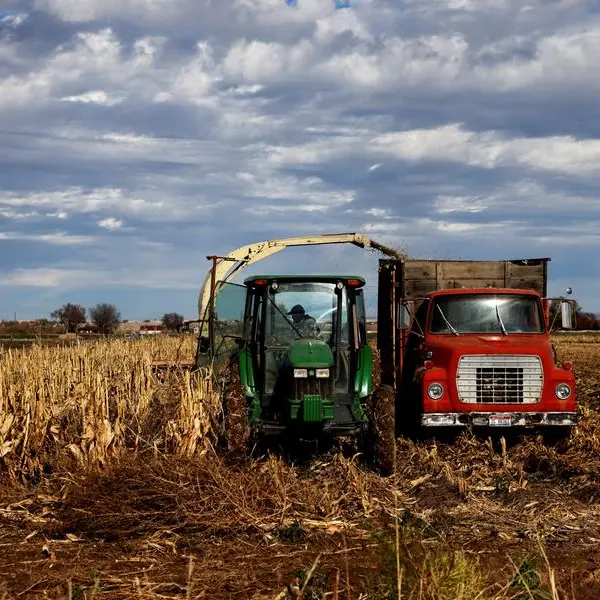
(236, 429)
(381, 440)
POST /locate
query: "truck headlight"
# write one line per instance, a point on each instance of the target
(322, 373)
(299, 373)
(562, 391)
(435, 391)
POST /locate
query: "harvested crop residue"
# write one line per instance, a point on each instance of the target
(471, 519)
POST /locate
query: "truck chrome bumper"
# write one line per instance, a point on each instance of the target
(490, 419)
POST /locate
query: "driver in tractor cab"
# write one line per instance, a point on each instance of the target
(304, 323)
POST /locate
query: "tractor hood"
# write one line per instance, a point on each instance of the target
(310, 353)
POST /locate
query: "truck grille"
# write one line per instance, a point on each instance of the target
(499, 379)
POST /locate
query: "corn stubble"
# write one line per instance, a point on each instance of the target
(474, 519)
(92, 402)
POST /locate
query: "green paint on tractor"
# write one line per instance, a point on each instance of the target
(314, 354)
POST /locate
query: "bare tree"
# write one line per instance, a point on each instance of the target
(106, 317)
(172, 321)
(69, 315)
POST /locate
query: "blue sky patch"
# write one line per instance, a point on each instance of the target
(138, 137)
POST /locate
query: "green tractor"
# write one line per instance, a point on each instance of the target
(298, 361)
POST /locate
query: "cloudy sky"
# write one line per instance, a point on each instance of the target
(139, 136)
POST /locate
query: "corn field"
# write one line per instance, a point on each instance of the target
(94, 401)
(111, 488)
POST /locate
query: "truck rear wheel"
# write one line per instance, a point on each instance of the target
(380, 442)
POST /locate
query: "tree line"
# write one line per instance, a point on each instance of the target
(105, 317)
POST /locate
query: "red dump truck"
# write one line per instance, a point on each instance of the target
(467, 343)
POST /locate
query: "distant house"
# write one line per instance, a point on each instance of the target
(150, 328)
(190, 326)
(87, 328)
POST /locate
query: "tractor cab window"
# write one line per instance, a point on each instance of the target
(230, 303)
(361, 315)
(302, 310)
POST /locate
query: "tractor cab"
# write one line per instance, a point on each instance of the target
(304, 360)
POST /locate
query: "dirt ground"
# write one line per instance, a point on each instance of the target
(518, 520)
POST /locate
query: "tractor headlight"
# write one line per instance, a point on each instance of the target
(562, 391)
(322, 373)
(435, 391)
(298, 373)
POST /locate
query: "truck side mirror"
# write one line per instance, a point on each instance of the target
(404, 316)
(567, 314)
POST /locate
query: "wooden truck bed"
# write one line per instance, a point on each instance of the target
(418, 277)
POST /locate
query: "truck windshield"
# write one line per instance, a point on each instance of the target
(479, 313)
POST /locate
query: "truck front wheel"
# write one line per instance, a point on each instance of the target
(556, 435)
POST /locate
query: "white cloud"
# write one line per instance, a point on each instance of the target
(95, 97)
(452, 143)
(490, 149)
(277, 12)
(70, 278)
(244, 90)
(97, 55)
(430, 61)
(460, 204)
(560, 59)
(458, 227)
(59, 238)
(110, 223)
(265, 61)
(195, 79)
(90, 10)
(77, 200)
(338, 23)
(380, 213)
(270, 209)
(41, 277)
(13, 20)
(518, 198)
(60, 214)
(15, 214)
(128, 138)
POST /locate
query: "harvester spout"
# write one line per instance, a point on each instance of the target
(226, 267)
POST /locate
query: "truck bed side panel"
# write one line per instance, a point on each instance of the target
(418, 277)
